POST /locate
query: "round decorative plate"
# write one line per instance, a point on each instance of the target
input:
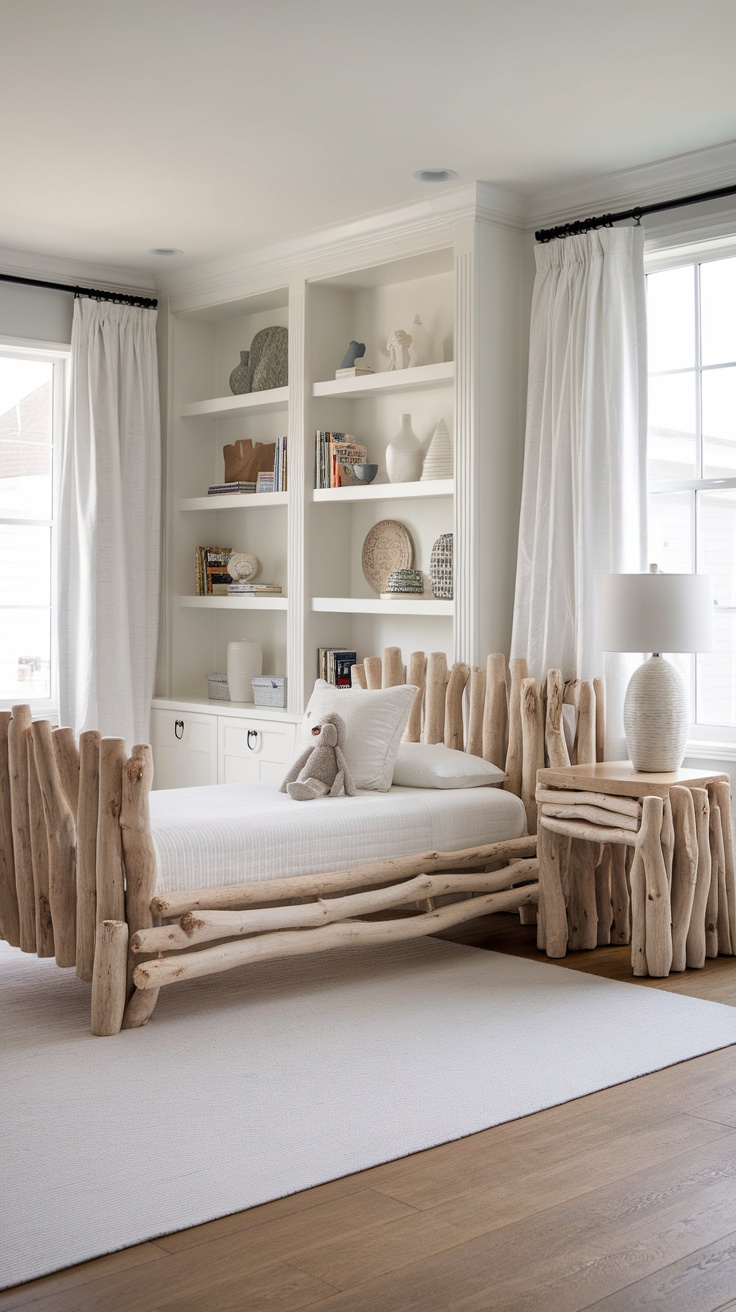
(388, 546)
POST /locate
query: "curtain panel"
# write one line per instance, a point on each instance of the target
(583, 505)
(110, 523)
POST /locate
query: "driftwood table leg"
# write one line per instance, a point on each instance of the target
(711, 910)
(604, 907)
(695, 946)
(551, 850)
(620, 901)
(684, 872)
(637, 880)
(581, 905)
(658, 912)
(723, 797)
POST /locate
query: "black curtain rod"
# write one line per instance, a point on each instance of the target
(607, 220)
(118, 298)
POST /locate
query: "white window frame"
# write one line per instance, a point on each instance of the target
(59, 355)
(707, 741)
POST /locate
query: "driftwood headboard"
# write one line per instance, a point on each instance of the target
(495, 712)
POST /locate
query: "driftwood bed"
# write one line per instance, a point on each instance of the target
(78, 863)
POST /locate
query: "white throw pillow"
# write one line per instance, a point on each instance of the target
(374, 722)
(432, 765)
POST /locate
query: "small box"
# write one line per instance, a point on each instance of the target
(217, 689)
(269, 690)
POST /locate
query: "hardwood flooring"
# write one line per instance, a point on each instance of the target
(623, 1201)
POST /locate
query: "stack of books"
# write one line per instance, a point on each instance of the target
(221, 489)
(334, 454)
(212, 577)
(335, 665)
(265, 483)
(274, 480)
(254, 590)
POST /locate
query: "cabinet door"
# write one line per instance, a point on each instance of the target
(184, 749)
(251, 750)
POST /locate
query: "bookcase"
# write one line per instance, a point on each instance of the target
(461, 268)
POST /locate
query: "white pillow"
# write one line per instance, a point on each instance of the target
(374, 722)
(431, 765)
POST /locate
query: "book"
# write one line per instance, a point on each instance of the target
(212, 577)
(253, 589)
(356, 371)
(265, 483)
(334, 454)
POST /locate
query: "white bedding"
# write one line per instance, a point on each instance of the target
(237, 833)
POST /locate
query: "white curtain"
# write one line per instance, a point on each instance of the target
(583, 508)
(109, 523)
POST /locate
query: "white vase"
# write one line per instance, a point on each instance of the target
(244, 662)
(438, 460)
(404, 454)
(420, 351)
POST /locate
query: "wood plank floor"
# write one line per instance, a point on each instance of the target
(620, 1202)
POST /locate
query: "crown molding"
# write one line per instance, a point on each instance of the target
(56, 268)
(373, 239)
(698, 170)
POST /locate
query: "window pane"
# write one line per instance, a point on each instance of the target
(25, 654)
(26, 395)
(671, 448)
(717, 542)
(719, 422)
(717, 675)
(671, 531)
(717, 315)
(671, 319)
(25, 566)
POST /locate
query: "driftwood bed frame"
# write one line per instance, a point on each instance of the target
(78, 868)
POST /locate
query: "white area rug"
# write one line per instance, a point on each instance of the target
(267, 1080)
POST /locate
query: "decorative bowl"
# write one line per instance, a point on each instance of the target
(365, 473)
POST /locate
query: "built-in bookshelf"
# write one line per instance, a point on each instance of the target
(460, 271)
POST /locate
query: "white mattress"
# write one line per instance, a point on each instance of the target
(237, 833)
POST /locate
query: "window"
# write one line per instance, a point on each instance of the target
(691, 459)
(31, 408)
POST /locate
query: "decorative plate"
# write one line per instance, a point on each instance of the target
(388, 546)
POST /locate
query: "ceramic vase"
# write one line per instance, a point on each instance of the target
(404, 454)
(438, 460)
(244, 662)
(440, 567)
(420, 351)
(240, 376)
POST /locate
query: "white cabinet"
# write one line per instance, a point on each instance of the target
(222, 746)
(184, 748)
(253, 750)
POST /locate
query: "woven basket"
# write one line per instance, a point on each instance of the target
(217, 689)
(440, 568)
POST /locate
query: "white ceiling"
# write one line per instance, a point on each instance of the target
(223, 125)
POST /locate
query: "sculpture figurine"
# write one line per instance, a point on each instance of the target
(398, 349)
(354, 352)
(321, 770)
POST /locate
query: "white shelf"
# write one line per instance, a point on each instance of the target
(255, 403)
(374, 606)
(396, 380)
(235, 501)
(213, 706)
(235, 603)
(434, 487)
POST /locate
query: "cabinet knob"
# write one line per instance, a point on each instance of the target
(179, 728)
(252, 733)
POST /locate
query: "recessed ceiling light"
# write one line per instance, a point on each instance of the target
(165, 250)
(436, 175)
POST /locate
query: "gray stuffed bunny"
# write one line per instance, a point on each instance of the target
(321, 770)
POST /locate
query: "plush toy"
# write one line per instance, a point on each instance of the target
(321, 770)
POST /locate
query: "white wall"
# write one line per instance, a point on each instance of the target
(35, 313)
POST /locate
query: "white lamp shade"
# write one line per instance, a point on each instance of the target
(656, 612)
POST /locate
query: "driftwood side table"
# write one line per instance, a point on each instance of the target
(632, 857)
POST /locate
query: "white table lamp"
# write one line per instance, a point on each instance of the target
(656, 612)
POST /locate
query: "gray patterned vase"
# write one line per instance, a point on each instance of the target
(440, 567)
(240, 376)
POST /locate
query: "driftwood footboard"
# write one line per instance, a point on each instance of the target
(78, 867)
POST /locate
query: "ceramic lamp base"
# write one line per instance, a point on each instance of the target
(656, 717)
